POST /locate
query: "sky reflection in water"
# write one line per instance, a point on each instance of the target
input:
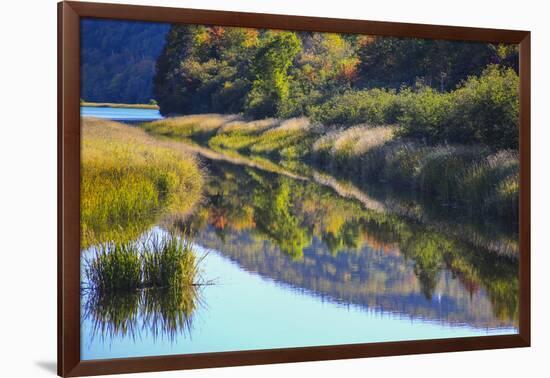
(294, 264)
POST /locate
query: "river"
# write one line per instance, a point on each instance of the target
(297, 261)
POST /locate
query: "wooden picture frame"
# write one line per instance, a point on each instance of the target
(69, 15)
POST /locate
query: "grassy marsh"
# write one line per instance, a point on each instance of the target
(472, 177)
(128, 179)
(273, 137)
(193, 126)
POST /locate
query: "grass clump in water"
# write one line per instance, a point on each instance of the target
(115, 267)
(157, 278)
(169, 263)
(166, 262)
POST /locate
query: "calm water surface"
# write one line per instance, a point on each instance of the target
(294, 263)
(121, 114)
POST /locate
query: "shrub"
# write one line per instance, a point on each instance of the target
(374, 106)
(483, 109)
(423, 113)
(486, 110)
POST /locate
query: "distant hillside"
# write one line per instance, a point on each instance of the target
(118, 59)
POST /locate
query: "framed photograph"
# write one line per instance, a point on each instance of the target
(239, 188)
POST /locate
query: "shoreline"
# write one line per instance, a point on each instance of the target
(116, 105)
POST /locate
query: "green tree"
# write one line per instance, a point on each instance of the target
(326, 65)
(204, 69)
(170, 84)
(271, 84)
(441, 65)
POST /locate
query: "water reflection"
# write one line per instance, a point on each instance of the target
(308, 254)
(159, 313)
(306, 235)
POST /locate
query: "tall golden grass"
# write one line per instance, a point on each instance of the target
(471, 176)
(128, 179)
(231, 132)
(353, 141)
(189, 126)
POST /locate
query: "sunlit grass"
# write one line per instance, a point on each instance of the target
(289, 139)
(494, 182)
(281, 138)
(262, 137)
(170, 262)
(256, 126)
(198, 126)
(128, 179)
(114, 267)
(468, 176)
(471, 177)
(235, 140)
(155, 262)
(353, 141)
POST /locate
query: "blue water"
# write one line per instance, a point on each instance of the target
(374, 287)
(121, 114)
(246, 311)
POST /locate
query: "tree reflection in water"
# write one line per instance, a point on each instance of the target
(328, 244)
(306, 235)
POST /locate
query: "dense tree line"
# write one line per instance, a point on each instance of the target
(344, 79)
(261, 73)
(442, 65)
(118, 59)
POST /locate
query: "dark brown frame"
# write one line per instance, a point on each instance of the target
(69, 363)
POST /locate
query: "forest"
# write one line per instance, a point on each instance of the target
(118, 60)
(438, 91)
